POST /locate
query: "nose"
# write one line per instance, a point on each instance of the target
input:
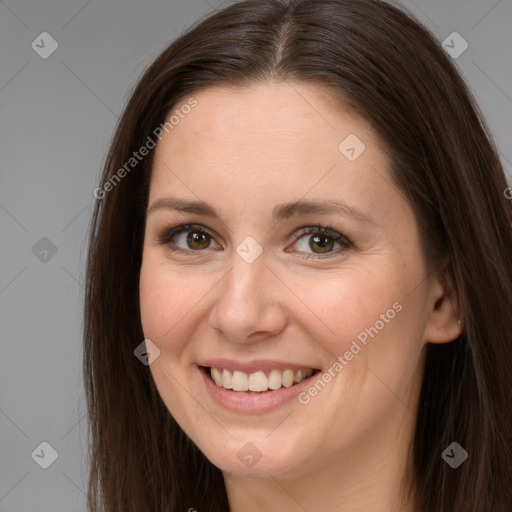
(248, 305)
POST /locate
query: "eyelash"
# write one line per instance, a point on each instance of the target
(341, 239)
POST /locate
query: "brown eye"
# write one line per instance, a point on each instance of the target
(188, 237)
(312, 241)
(322, 242)
(198, 240)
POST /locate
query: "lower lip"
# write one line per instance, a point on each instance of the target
(243, 401)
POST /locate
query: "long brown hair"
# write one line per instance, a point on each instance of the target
(395, 73)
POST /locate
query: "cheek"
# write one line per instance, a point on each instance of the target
(155, 302)
(166, 306)
(366, 316)
(165, 299)
(343, 304)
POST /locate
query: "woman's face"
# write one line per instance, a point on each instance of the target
(258, 290)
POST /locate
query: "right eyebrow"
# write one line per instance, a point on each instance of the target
(183, 205)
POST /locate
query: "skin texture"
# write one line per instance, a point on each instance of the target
(245, 151)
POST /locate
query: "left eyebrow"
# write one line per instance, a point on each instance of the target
(280, 212)
(287, 210)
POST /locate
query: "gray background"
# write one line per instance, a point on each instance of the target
(57, 117)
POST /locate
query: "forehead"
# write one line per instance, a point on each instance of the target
(271, 143)
(298, 114)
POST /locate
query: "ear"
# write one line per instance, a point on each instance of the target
(444, 321)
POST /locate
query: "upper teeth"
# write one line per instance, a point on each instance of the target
(258, 381)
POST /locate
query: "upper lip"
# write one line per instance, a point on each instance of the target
(254, 365)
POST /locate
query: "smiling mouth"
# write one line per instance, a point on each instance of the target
(260, 381)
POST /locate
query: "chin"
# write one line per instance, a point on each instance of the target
(257, 459)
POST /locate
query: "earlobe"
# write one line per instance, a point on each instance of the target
(444, 323)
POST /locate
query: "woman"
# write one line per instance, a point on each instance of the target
(299, 280)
